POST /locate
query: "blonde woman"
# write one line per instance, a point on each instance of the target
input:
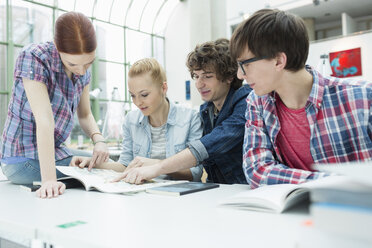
(159, 128)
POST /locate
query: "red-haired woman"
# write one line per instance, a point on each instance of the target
(51, 83)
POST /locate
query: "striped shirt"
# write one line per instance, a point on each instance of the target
(40, 62)
(158, 149)
(339, 113)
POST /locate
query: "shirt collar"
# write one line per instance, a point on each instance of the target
(143, 120)
(317, 90)
(57, 64)
(171, 119)
(172, 113)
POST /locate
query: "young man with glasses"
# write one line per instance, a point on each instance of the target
(220, 148)
(295, 116)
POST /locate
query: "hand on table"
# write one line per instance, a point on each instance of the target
(50, 189)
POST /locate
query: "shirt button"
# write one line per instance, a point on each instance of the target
(31, 72)
(319, 104)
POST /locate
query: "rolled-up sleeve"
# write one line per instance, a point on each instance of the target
(126, 154)
(31, 67)
(195, 134)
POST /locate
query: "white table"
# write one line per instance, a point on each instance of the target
(2, 176)
(143, 220)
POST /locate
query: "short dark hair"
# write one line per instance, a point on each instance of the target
(270, 31)
(214, 55)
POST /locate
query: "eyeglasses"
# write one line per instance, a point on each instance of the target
(247, 61)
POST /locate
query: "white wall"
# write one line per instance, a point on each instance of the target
(177, 46)
(363, 41)
(192, 22)
(236, 9)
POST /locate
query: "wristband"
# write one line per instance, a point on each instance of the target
(102, 141)
(91, 136)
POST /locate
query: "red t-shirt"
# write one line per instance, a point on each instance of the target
(293, 139)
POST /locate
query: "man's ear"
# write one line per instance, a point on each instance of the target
(281, 61)
(229, 80)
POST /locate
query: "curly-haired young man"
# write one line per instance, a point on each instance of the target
(220, 148)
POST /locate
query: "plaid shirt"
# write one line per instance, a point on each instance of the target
(41, 62)
(339, 113)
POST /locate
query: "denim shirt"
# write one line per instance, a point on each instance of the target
(183, 126)
(220, 148)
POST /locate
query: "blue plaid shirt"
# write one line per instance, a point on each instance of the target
(41, 62)
(339, 113)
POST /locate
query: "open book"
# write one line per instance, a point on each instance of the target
(280, 197)
(99, 179)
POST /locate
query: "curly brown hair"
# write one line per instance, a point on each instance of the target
(214, 56)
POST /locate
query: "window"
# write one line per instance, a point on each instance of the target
(125, 33)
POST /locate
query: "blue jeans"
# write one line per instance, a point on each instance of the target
(29, 171)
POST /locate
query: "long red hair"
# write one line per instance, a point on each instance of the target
(74, 34)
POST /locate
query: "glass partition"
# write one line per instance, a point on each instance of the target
(3, 22)
(127, 30)
(134, 13)
(162, 18)
(66, 4)
(46, 2)
(149, 15)
(3, 69)
(159, 50)
(111, 76)
(85, 7)
(110, 41)
(3, 109)
(118, 11)
(138, 45)
(31, 23)
(102, 9)
(16, 52)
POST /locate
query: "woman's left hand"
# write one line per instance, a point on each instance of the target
(100, 155)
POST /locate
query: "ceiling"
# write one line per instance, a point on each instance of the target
(331, 10)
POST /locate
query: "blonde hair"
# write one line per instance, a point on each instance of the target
(151, 66)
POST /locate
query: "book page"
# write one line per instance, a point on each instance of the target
(270, 198)
(279, 197)
(89, 178)
(100, 179)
